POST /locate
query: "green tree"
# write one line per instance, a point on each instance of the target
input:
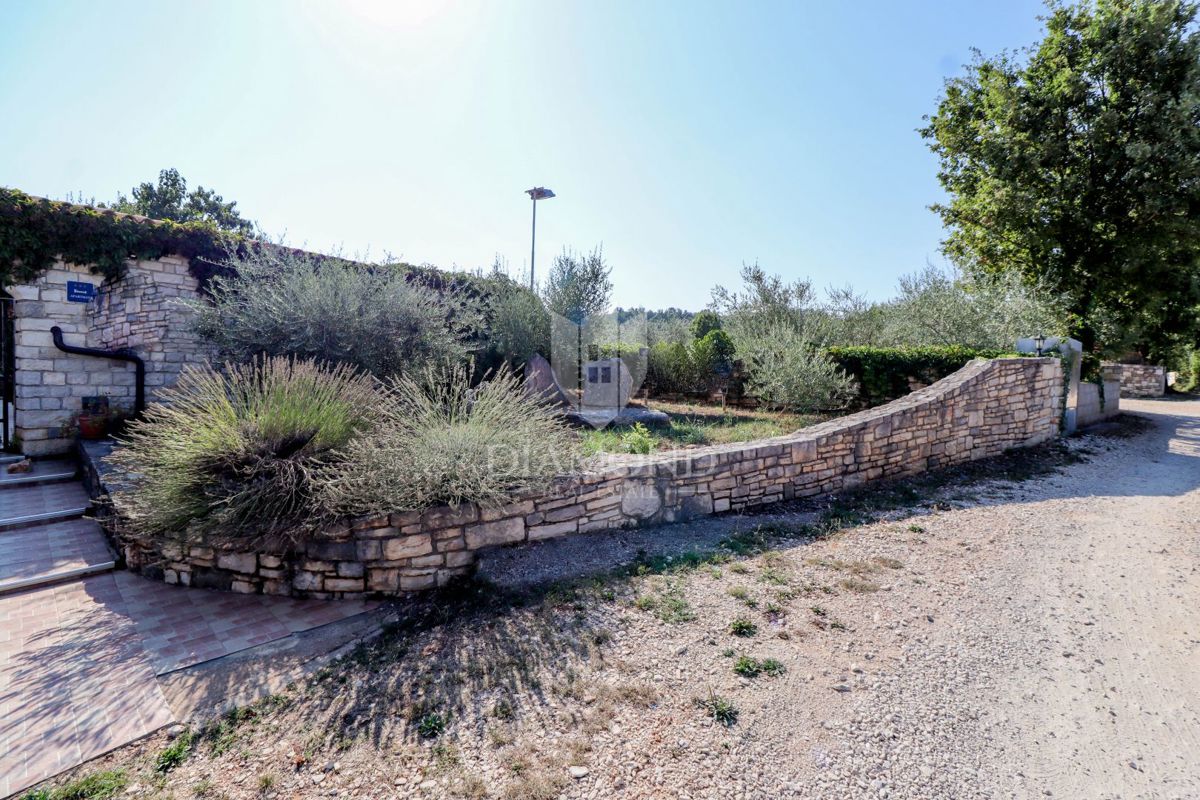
(170, 199)
(578, 285)
(1077, 164)
(704, 322)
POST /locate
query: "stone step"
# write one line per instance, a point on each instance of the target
(22, 506)
(11, 458)
(52, 553)
(42, 472)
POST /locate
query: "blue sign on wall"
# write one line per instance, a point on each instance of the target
(80, 292)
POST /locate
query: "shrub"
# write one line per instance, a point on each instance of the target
(669, 369)
(784, 370)
(712, 355)
(518, 323)
(277, 301)
(443, 442)
(885, 373)
(235, 455)
(638, 439)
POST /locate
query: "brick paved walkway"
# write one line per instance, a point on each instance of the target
(80, 654)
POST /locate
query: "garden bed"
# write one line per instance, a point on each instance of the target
(695, 424)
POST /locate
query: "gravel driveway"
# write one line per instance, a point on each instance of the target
(1066, 662)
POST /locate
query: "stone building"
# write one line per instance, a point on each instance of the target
(45, 385)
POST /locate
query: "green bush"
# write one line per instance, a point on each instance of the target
(670, 369)
(379, 319)
(885, 373)
(786, 372)
(443, 441)
(518, 322)
(234, 455)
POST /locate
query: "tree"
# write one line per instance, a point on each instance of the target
(1079, 165)
(579, 286)
(171, 200)
(704, 322)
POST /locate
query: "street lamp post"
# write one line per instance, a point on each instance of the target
(535, 194)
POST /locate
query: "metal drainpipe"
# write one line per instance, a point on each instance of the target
(124, 354)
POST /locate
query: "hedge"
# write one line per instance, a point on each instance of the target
(885, 373)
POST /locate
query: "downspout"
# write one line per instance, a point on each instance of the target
(124, 354)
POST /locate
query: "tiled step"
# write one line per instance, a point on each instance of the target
(52, 553)
(42, 472)
(22, 506)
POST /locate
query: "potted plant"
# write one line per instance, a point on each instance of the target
(94, 418)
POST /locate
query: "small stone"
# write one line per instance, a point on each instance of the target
(841, 687)
(578, 772)
(175, 731)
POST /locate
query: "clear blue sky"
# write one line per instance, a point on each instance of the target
(687, 137)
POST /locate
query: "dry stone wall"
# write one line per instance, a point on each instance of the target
(141, 311)
(983, 409)
(1141, 380)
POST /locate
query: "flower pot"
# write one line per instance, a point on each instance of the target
(92, 427)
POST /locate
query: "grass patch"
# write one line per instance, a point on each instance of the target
(97, 786)
(175, 753)
(693, 424)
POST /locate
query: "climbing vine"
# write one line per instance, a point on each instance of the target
(35, 232)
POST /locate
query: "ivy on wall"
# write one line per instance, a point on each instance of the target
(35, 232)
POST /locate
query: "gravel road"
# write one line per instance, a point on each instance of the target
(1067, 662)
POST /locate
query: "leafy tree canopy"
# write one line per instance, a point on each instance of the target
(1076, 164)
(579, 286)
(170, 199)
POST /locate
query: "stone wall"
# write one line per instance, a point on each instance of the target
(1141, 380)
(983, 409)
(139, 311)
(1098, 402)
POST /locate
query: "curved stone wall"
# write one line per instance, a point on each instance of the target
(981, 410)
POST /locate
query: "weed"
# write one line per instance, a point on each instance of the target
(740, 569)
(743, 594)
(674, 607)
(888, 563)
(819, 611)
(747, 667)
(772, 573)
(431, 726)
(266, 781)
(772, 667)
(717, 707)
(915, 529)
(175, 753)
(202, 787)
(743, 627)
(727, 652)
(503, 709)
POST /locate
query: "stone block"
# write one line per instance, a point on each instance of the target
(496, 532)
(553, 529)
(238, 562)
(407, 546)
(343, 584)
(308, 581)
